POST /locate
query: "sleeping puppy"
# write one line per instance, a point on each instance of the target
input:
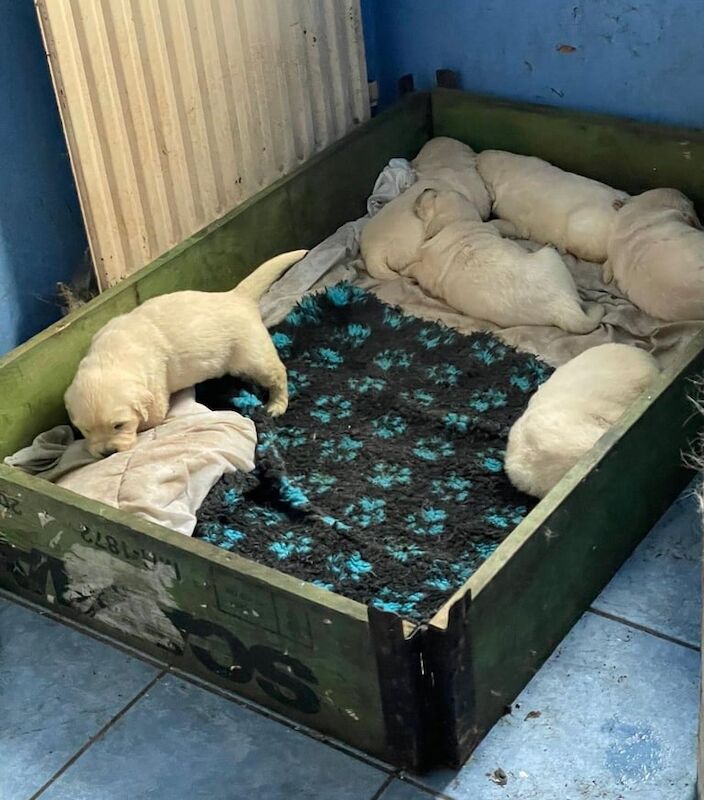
(570, 412)
(550, 206)
(467, 263)
(656, 255)
(447, 159)
(391, 239)
(139, 359)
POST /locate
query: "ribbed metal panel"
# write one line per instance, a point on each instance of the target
(176, 111)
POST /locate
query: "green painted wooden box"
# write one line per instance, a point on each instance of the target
(413, 696)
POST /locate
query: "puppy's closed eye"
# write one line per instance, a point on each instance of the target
(118, 426)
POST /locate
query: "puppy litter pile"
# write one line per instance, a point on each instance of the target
(384, 480)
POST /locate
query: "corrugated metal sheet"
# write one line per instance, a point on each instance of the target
(176, 111)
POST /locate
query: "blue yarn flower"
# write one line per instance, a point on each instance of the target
(385, 476)
(328, 408)
(291, 544)
(367, 511)
(389, 426)
(490, 351)
(432, 448)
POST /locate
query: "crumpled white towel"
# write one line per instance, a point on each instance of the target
(165, 477)
(395, 178)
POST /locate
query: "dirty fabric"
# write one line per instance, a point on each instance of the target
(384, 480)
(52, 454)
(338, 258)
(165, 477)
(330, 261)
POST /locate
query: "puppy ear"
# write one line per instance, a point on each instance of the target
(144, 406)
(151, 408)
(425, 204)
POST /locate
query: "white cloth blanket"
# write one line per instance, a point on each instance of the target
(165, 477)
(337, 258)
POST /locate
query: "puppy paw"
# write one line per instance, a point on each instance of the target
(275, 408)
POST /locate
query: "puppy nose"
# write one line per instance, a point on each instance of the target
(109, 451)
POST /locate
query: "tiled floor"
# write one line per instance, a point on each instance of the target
(614, 713)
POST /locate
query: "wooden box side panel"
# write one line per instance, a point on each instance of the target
(306, 654)
(526, 598)
(629, 155)
(298, 211)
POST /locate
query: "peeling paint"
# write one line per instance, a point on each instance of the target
(44, 518)
(54, 542)
(97, 585)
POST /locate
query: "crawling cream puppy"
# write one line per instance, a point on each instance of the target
(467, 263)
(543, 203)
(139, 359)
(656, 255)
(577, 404)
(391, 239)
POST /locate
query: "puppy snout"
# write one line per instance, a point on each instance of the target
(108, 451)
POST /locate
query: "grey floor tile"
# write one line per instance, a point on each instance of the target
(181, 742)
(659, 587)
(58, 688)
(613, 715)
(399, 790)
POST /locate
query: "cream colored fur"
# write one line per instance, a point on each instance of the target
(570, 412)
(656, 255)
(391, 239)
(138, 360)
(467, 263)
(548, 205)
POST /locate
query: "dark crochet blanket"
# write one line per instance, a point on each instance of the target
(384, 480)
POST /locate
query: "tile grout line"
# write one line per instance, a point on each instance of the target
(417, 784)
(227, 694)
(121, 713)
(84, 630)
(644, 629)
(379, 793)
(250, 705)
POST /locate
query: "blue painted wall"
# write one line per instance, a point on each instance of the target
(42, 237)
(631, 58)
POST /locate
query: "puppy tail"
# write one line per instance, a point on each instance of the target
(575, 320)
(256, 284)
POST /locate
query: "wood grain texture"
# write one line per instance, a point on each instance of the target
(177, 110)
